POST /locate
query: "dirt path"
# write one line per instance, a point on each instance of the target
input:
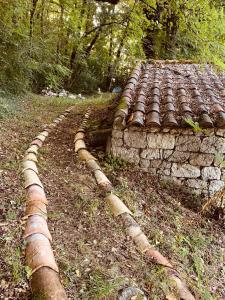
(90, 247)
(95, 258)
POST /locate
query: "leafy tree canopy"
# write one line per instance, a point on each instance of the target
(83, 44)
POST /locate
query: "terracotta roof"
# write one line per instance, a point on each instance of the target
(167, 94)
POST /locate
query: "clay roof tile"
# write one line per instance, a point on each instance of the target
(174, 92)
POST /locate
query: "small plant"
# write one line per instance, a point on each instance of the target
(101, 286)
(11, 215)
(114, 163)
(128, 196)
(195, 126)
(153, 198)
(92, 209)
(157, 282)
(14, 261)
(28, 272)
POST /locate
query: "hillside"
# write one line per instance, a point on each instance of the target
(95, 257)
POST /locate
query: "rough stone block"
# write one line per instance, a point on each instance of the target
(185, 170)
(135, 128)
(213, 144)
(118, 134)
(215, 186)
(117, 142)
(210, 132)
(176, 131)
(201, 159)
(153, 129)
(176, 156)
(219, 161)
(144, 163)
(209, 173)
(167, 153)
(188, 143)
(135, 139)
(156, 163)
(165, 168)
(166, 130)
(188, 131)
(196, 183)
(164, 171)
(152, 153)
(130, 155)
(220, 132)
(160, 141)
(166, 165)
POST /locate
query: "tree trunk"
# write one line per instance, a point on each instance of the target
(60, 34)
(109, 75)
(74, 50)
(119, 50)
(42, 17)
(32, 13)
(92, 43)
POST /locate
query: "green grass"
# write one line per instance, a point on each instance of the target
(13, 106)
(9, 105)
(101, 286)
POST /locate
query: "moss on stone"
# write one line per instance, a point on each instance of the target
(122, 104)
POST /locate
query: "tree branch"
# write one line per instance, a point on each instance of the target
(109, 1)
(100, 26)
(92, 43)
(147, 4)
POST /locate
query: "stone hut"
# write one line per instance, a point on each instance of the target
(171, 122)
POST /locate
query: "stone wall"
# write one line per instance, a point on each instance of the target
(188, 158)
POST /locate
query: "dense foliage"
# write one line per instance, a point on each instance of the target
(83, 44)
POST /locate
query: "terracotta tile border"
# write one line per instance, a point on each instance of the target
(45, 280)
(120, 210)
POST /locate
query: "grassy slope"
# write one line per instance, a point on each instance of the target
(95, 257)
